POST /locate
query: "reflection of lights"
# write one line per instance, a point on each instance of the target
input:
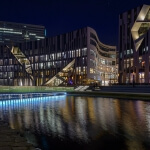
(27, 116)
(26, 100)
(75, 117)
(148, 117)
(139, 109)
(81, 110)
(91, 109)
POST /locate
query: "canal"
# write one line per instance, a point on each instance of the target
(79, 122)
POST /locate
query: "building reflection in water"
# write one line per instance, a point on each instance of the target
(81, 118)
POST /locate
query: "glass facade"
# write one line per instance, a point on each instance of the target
(103, 61)
(12, 33)
(46, 58)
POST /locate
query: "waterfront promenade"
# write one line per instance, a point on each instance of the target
(138, 92)
(10, 139)
(116, 91)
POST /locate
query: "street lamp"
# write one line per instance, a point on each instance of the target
(133, 79)
(110, 79)
(118, 78)
(42, 78)
(56, 67)
(9, 83)
(104, 78)
(81, 78)
(41, 81)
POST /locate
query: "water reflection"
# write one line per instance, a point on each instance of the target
(84, 119)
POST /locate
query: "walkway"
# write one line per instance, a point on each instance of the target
(127, 88)
(11, 140)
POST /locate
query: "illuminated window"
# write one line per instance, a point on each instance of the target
(103, 61)
(91, 70)
(84, 51)
(92, 53)
(77, 53)
(1, 62)
(46, 57)
(128, 52)
(36, 58)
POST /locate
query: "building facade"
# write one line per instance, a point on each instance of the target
(12, 33)
(77, 57)
(134, 45)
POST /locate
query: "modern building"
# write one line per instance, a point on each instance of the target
(76, 57)
(134, 45)
(12, 33)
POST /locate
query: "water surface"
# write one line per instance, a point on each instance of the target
(74, 122)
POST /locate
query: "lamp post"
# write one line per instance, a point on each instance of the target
(110, 79)
(56, 67)
(118, 78)
(81, 78)
(42, 82)
(9, 84)
(42, 78)
(133, 80)
(104, 78)
(55, 81)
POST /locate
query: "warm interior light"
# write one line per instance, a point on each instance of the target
(142, 17)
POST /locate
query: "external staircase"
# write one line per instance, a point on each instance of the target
(61, 76)
(22, 59)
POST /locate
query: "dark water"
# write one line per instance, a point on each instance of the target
(74, 122)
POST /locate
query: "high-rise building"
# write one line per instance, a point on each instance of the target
(76, 57)
(12, 33)
(134, 45)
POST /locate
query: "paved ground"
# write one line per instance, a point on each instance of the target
(11, 140)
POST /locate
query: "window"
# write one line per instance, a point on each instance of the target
(93, 42)
(92, 35)
(113, 62)
(92, 53)
(91, 70)
(120, 55)
(84, 51)
(1, 62)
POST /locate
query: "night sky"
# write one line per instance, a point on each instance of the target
(60, 16)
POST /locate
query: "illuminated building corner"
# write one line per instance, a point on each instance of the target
(141, 26)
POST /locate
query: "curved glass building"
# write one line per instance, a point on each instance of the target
(102, 60)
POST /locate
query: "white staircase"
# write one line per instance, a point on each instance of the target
(81, 88)
(84, 88)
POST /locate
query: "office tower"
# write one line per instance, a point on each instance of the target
(12, 33)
